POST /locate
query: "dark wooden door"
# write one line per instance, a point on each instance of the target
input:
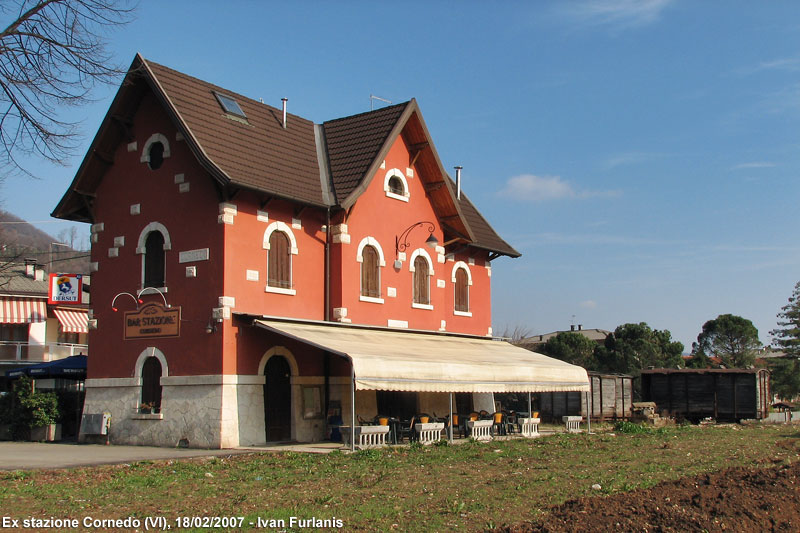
(277, 400)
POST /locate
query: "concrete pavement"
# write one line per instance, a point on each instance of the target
(42, 455)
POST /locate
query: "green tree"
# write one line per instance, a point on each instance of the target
(699, 359)
(633, 347)
(573, 348)
(787, 336)
(731, 338)
(785, 381)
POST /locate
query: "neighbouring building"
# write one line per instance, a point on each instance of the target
(31, 330)
(245, 289)
(535, 341)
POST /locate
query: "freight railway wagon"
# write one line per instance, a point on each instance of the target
(611, 399)
(724, 395)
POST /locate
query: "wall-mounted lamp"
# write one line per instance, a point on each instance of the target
(146, 289)
(211, 327)
(136, 300)
(401, 241)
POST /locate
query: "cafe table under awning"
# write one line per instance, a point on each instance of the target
(386, 359)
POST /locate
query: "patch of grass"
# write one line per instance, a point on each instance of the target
(414, 488)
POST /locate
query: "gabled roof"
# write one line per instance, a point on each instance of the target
(13, 281)
(298, 163)
(355, 142)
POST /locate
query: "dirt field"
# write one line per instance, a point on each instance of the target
(737, 499)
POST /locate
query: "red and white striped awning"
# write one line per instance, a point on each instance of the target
(72, 320)
(22, 310)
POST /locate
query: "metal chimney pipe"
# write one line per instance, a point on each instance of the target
(458, 182)
(284, 100)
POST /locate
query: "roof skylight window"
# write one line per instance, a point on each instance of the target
(229, 105)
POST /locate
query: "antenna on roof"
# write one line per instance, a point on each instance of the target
(372, 99)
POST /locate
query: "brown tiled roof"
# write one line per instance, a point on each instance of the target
(354, 142)
(485, 236)
(259, 154)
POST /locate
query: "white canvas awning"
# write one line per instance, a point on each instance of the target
(414, 361)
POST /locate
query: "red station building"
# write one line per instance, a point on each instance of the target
(257, 276)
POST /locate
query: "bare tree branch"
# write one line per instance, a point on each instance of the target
(52, 54)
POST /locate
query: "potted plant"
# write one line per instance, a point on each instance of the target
(34, 413)
(147, 408)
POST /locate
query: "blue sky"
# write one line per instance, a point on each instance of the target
(642, 155)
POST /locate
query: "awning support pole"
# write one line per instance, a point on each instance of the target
(352, 409)
(450, 437)
(530, 409)
(589, 411)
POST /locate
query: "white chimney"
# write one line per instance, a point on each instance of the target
(284, 100)
(458, 182)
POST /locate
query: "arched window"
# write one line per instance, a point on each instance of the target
(462, 291)
(422, 292)
(396, 186)
(154, 260)
(151, 385)
(155, 155)
(279, 261)
(370, 273)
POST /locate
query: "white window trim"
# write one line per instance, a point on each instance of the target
(280, 290)
(150, 351)
(280, 226)
(461, 264)
(423, 252)
(417, 253)
(396, 173)
(154, 138)
(286, 230)
(141, 249)
(370, 241)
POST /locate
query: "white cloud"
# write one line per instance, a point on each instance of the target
(615, 13)
(786, 64)
(532, 188)
(630, 158)
(753, 164)
(588, 304)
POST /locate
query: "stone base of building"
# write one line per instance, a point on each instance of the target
(224, 411)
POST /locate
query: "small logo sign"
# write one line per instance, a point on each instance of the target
(153, 320)
(65, 289)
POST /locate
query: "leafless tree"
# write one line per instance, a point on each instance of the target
(52, 54)
(516, 333)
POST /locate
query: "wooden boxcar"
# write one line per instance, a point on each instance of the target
(724, 395)
(611, 399)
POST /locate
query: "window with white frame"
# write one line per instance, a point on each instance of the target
(153, 244)
(395, 185)
(461, 288)
(151, 386)
(154, 260)
(279, 261)
(422, 284)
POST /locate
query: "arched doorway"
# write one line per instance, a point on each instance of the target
(277, 399)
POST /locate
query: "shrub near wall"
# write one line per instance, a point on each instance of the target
(25, 409)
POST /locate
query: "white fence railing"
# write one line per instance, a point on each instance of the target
(23, 351)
